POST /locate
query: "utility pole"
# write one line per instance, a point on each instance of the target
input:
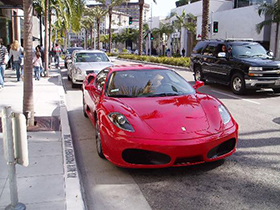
(46, 37)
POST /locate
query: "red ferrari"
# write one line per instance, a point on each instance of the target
(151, 117)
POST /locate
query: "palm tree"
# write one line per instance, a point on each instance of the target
(187, 21)
(164, 29)
(28, 100)
(110, 11)
(205, 19)
(98, 14)
(272, 11)
(141, 6)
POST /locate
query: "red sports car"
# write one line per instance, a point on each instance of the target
(151, 117)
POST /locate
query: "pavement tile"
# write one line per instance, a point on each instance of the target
(44, 136)
(3, 182)
(58, 205)
(40, 189)
(39, 166)
(36, 148)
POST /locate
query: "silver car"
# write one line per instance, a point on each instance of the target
(85, 62)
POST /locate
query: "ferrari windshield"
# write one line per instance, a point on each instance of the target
(147, 83)
(91, 57)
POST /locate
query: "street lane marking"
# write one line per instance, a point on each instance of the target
(247, 100)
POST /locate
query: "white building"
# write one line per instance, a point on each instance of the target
(236, 19)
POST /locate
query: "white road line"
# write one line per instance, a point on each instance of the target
(232, 96)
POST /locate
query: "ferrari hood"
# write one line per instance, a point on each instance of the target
(171, 115)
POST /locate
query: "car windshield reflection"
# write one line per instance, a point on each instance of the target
(91, 57)
(147, 83)
(249, 50)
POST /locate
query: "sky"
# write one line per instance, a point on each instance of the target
(162, 8)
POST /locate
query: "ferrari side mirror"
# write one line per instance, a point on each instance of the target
(198, 84)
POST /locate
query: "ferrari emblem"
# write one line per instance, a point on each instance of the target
(183, 129)
(278, 72)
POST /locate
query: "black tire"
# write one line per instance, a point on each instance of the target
(237, 84)
(198, 75)
(98, 141)
(276, 90)
(84, 109)
(69, 79)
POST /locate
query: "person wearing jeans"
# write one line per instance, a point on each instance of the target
(16, 51)
(3, 62)
(37, 64)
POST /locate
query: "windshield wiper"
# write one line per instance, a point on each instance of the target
(244, 56)
(122, 96)
(162, 94)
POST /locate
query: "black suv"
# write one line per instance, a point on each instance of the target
(241, 64)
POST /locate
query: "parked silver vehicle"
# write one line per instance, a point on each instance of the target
(85, 62)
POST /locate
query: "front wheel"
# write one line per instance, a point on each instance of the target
(238, 84)
(84, 109)
(198, 76)
(98, 141)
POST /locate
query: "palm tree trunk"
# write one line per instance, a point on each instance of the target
(205, 19)
(28, 100)
(41, 29)
(277, 51)
(98, 34)
(86, 39)
(46, 37)
(50, 35)
(110, 30)
(91, 37)
(141, 5)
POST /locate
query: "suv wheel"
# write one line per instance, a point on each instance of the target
(198, 74)
(238, 84)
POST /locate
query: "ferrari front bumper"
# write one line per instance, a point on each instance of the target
(148, 153)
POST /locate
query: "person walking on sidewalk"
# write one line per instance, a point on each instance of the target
(37, 64)
(16, 51)
(3, 61)
(57, 51)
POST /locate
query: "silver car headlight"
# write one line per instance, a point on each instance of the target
(224, 114)
(79, 71)
(252, 68)
(120, 121)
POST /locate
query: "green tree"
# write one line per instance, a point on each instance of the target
(163, 32)
(113, 3)
(98, 13)
(272, 11)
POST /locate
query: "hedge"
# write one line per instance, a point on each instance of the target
(182, 61)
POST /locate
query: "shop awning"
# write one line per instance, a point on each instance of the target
(11, 4)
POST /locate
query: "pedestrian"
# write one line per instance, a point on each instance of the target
(4, 57)
(57, 51)
(16, 51)
(37, 64)
(41, 51)
(183, 52)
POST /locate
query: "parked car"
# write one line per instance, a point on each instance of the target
(244, 65)
(85, 62)
(151, 117)
(68, 55)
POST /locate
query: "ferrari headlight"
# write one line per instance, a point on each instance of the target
(252, 68)
(224, 114)
(120, 121)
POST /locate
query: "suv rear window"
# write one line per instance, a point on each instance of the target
(199, 47)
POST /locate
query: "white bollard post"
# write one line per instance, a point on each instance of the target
(10, 158)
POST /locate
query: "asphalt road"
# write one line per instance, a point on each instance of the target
(249, 179)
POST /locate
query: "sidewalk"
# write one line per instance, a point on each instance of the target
(51, 181)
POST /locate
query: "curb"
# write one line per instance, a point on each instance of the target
(159, 64)
(74, 199)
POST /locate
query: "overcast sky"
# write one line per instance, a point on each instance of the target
(162, 8)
